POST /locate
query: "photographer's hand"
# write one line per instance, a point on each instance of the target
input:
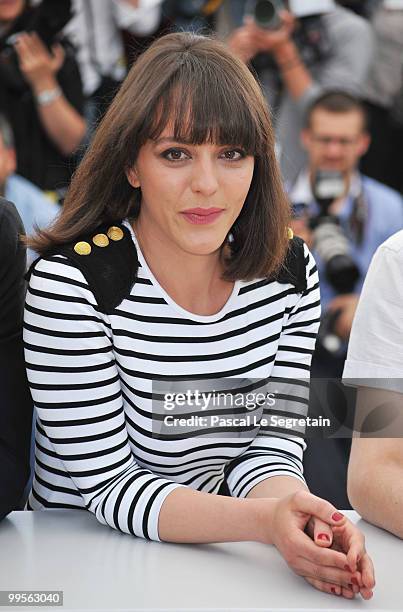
(269, 41)
(347, 303)
(38, 66)
(62, 122)
(241, 42)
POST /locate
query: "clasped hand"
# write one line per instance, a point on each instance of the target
(322, 545)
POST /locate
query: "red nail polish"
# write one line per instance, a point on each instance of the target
(354, 581)
(333, 590)
(323, 536)
(347, 568)
(337, 516)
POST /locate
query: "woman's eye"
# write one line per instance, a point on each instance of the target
(233, 155)
(175, 155)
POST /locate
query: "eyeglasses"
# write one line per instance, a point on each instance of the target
(325, 141)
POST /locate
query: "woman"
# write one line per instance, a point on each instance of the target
(184, 289)
(40, 92)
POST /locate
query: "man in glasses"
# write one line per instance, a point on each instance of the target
(343, 216)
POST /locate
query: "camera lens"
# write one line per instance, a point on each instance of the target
(265, 14)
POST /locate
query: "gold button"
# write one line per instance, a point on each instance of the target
(290, 233)
(82, 248)
(101, 240)
(115, 233)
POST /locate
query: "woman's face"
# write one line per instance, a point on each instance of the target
(10, 10)
(191, 194)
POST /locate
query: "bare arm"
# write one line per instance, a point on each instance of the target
(375, 473)
(296, 76)
(62, 123)
(192, 516)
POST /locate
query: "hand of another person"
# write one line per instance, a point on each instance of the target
(327, 569)
(241, 43)
(38, 66)
(346, 538)
(347, 304)
(270, 41)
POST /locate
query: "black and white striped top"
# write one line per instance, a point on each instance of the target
(91, 378)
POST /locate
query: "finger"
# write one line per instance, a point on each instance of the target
(28, 43)
(332, 575)
(22, 47)
(320, 508)
(367, 572)
(325, 587)
(317, 554)
(347, 593)
(322, 533)
(356, 550)
(331, 588)
(58, 56)
(36, 43)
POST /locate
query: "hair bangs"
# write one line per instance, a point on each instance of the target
(201, 105)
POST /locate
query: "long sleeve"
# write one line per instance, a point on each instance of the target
(142, 20)
(75, 385)
(274, 452)
(15, 400)
(347, 67)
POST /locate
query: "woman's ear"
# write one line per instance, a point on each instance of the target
(133, 178)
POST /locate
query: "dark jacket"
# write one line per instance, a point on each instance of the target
(15, 399)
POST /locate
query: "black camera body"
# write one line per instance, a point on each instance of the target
(266, 13)
(47, 20)
(330, 241)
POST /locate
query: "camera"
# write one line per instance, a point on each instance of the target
(333, 248)
(266, 13)
(47, 20)
(330, 241)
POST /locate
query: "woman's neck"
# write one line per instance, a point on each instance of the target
(194, 282)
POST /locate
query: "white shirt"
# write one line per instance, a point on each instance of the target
(95, 32)
(95, 379)
(375, 351)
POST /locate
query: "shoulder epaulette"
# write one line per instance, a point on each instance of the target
(107, 258)
(293, 269)
(108, 261)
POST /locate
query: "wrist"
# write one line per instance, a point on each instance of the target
(44, 84)
(286, 52)
(263, 510)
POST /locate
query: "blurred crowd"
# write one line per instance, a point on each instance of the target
(332, 73)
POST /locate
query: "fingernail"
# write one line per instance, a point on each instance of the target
(347, 568)
(337, 516)
(323, 536)
(333, 590)
(354, 581)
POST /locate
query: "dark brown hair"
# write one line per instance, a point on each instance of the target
(210, 96)
(338, 102)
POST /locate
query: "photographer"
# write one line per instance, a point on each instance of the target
(352, 215)
(34, 208)
(40, 90)
(313, 46)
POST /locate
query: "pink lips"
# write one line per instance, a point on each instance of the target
(202, 216)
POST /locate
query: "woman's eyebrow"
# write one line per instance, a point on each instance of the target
(170, 139)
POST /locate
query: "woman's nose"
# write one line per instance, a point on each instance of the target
(204, 177)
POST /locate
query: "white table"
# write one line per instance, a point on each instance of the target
(101, 569)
